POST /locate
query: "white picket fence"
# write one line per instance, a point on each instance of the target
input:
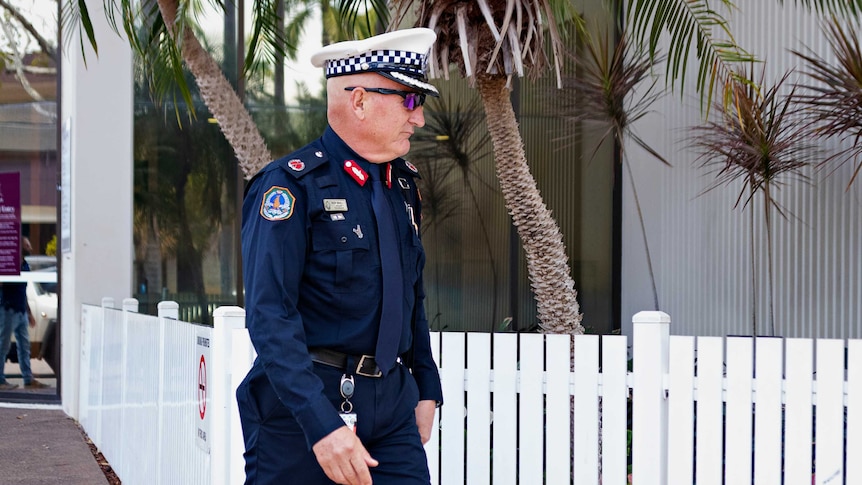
(158, 400)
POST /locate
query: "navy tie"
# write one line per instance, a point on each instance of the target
(391, 320)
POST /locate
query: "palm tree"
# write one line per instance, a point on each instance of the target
(489, 47)
(167, 41)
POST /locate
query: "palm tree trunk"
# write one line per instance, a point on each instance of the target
(220, 97)
(547, 263)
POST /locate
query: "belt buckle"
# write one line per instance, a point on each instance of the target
(361, 365)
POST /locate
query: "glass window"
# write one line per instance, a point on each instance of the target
(28, 147)
(187, 188)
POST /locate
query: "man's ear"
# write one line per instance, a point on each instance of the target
(358, 98)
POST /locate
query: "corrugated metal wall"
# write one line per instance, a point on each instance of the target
(701, 245)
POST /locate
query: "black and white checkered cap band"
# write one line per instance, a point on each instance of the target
(412, 63)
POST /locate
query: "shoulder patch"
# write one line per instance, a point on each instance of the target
(277, 204)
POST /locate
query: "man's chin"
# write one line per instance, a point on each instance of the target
(403, 148)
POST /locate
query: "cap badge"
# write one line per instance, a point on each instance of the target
(277, 204)
(296, 164)
(356, 172)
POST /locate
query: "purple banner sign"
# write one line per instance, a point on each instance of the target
(10, 223)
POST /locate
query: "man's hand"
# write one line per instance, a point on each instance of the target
(31, 319)
(425, 418)
(343, 458)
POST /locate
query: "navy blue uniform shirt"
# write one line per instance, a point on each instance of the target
(312, 274)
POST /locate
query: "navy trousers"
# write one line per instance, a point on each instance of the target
(276, 449)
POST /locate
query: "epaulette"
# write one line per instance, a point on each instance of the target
(303, 161)
(406, 167)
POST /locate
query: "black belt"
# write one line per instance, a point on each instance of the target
(365, 365)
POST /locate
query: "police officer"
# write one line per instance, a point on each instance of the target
(344, 388)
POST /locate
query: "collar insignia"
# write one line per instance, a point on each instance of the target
(354, 170)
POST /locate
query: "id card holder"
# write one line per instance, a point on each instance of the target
(346, 388)
(349, 420)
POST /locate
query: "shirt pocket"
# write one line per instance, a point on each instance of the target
(340, 254)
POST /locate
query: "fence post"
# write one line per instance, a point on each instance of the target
(166, 309)
(650, 345)
(223, 466)
(169, 309)
(130, 305)
(107, 302)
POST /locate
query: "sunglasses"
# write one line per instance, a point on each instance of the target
(412, 100)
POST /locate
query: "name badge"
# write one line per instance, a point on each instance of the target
(335, 205)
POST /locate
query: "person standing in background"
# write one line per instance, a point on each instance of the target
(15, 316)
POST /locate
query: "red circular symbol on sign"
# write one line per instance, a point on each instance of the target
(202, 387)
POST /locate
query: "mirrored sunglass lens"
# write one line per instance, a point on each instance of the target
(413, 101)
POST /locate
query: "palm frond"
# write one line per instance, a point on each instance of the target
(835, 100)
(74, 16)
(496, 38)
(839, 7)
(267, 35)
(603, 93)
(690, 23)
(361, 16)
(760, 141)
(160, 57)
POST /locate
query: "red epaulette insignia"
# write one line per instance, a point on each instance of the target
(356, 172)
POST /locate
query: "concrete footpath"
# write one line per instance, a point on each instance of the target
(41, 445)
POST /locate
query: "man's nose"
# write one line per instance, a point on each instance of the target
(417, 117)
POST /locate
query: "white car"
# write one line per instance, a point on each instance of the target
(42, 298)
